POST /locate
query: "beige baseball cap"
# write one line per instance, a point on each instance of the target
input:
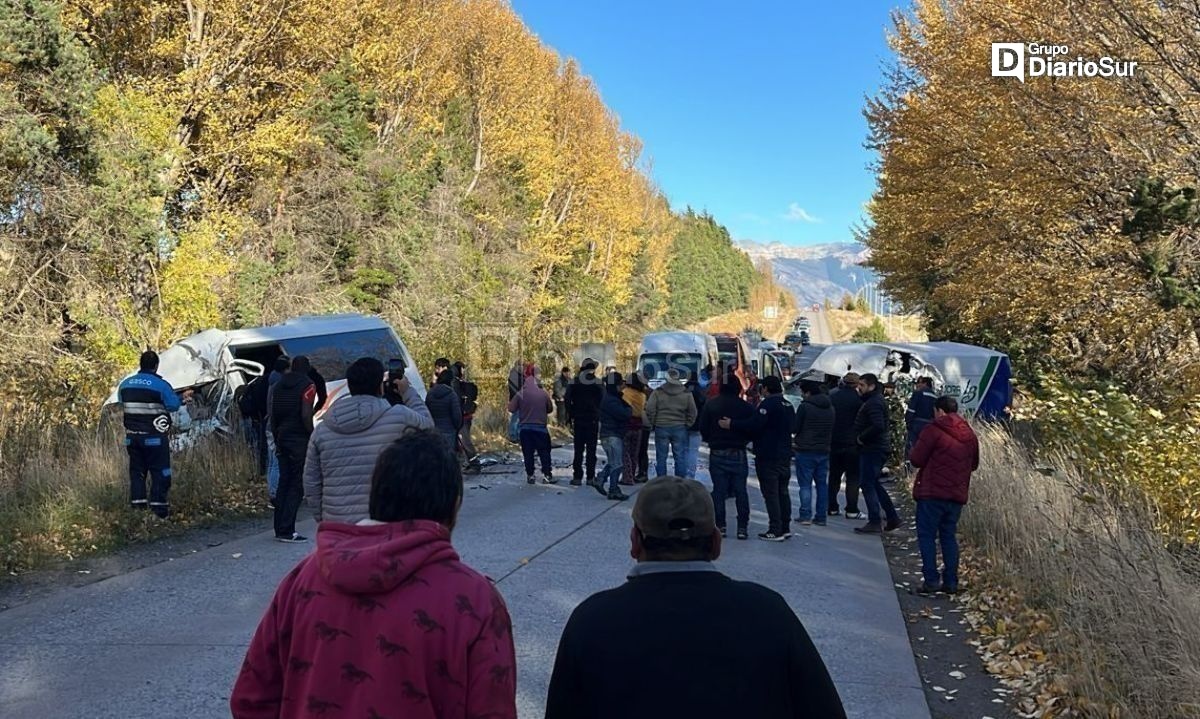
(674, 508)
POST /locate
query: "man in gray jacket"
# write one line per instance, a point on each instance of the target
(670, 411)
(343, 448)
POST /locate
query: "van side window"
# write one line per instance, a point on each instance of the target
(332, 354)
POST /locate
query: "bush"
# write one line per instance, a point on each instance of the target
(1131, 449)
(874, 332)
(1123, 606)
(64, 491)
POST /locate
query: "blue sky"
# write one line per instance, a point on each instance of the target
(752, 110)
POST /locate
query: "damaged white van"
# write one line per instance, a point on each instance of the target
(214, 364)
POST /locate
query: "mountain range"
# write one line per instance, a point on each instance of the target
(813, 273)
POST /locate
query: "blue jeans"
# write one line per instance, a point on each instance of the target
(870, 464)
(813, 468)
(676, 440)
(693, 460)
(272, 466)
(614, 460)
(729, 471)
(937, 521)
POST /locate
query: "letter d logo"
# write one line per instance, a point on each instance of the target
(1008, 60)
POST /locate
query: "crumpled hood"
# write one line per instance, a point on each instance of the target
(354, 414)
(819, 400)
(672, 386)
(955, 426)
(374, 559)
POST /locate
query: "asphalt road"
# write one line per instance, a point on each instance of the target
(167, 640)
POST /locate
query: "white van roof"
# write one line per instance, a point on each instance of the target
(197, 359)
(675, 341)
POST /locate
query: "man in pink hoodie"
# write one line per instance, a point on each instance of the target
(384, 620)
(533, 407)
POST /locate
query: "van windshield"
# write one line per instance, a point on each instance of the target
(654, 365)
(332, 354)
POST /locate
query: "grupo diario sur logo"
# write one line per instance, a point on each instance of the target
(1027, 60)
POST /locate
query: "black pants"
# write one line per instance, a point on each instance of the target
(586, 435)
(843, 461)
(774, 478)
(644, 454)
(149, 454)
(536, 442)
(728, 469)
(260, 446)
(290, 493)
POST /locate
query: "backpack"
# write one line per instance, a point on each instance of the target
(469, 395)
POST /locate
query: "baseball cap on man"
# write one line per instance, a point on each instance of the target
(674, 508)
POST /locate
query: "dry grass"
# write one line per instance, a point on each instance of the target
(1126, 608)
(64, 491)
(901, 328)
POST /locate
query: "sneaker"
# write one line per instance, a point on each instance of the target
(743, 534)
(819, 522)
(549, 479)
(805, 522)
(530, 479)
(834, 512)
(892, 525)
(853, 515)
(722, 531)
(772, 537)
(577, 482)
(296, 538)
(641, 479)
(927, 588)
(600, 488)
(869, 528)
(618, 496)
(950, 588)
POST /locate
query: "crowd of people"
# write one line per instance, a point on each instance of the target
(384, 618)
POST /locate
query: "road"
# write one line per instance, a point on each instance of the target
(167, 640)
(821, 337)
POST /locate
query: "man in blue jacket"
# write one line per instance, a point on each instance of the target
(919, 413)
(147, 402)
(771, 428)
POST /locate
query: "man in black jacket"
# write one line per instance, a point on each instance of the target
(675, 612)
(771, 427)
(292, 401)
(874, 444)
(582, 397)
(843, 449)
(814, 431)
(727, 463)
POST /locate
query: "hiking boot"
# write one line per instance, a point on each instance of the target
(296, 538)
(743, 534)
(926, 588)
(577, 481)
(950, 588)
(530, 479)
(772, 537)
(549, 479)
(853, 515)
(618, 496)
(892, 525)
(870, 528)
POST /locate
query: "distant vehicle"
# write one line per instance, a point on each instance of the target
(816, 308)
(792, 340)
(766, 363)
(804, 339)
(686, 351)
(216, 363)
(783, 359)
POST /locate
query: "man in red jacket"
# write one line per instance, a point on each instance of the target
(383, 620)
(946, 452)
